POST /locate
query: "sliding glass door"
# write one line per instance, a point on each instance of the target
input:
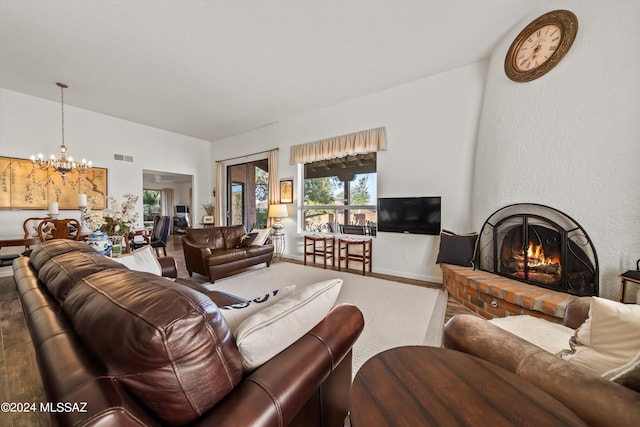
(248, 190)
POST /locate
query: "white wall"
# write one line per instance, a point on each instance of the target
(431, 129)
(29, 125)
(571, 139)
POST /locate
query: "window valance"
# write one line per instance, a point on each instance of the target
(367, 141)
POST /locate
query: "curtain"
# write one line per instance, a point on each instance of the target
(219, 213)
(167, 203)
(274, 182)
(367, 141)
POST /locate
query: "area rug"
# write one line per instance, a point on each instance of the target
(395, 314)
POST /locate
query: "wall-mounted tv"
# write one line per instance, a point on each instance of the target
(412, 215)
(181, 210)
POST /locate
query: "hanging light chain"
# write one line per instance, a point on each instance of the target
(62, 87)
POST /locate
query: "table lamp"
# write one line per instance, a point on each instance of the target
(277, 212)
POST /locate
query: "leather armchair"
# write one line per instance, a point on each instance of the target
(596, 400)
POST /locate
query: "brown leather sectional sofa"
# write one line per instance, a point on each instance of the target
(597, 401)
(218, 252)
(127, 348)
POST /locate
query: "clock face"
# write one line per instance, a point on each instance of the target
(541, 45)
(538, 47)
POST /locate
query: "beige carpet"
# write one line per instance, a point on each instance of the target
(395, 314)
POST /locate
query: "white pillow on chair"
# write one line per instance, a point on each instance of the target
(142, 259)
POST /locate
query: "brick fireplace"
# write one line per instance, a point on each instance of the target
(490, 295)
(541, 246)
(529, 259)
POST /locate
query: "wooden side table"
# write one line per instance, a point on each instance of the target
(344, 243)
(631, 276)
(326, 249)
(429, 386)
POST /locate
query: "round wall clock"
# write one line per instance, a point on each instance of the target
(541, 45)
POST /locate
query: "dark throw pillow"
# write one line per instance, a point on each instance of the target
(457, 249)
(247, 239)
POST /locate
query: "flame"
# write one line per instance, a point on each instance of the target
(535, 255)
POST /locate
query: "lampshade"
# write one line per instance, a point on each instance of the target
(278, 211)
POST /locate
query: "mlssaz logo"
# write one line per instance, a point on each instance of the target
(53, 407)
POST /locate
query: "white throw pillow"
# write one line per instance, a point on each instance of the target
(263, 235)
(142, 259)
(609, 338)
(275, 328)
(235, 314)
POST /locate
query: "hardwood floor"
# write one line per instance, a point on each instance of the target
(174, 249)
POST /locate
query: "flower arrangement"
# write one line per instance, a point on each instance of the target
(117, 220)
(93, 219)
(209, 208)
(120, 218)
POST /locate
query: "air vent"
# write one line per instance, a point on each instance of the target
(123, 158)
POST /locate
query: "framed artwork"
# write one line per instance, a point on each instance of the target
(286, 191)
(24, 185)
(207, 219)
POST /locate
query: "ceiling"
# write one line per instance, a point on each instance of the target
(213, 69)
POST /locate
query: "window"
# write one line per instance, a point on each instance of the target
(340, 195)
(151, 204)
(248, 189)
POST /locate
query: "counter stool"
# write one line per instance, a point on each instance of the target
(326, 249)
(364, 257)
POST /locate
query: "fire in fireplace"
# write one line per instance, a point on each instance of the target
(539, 245)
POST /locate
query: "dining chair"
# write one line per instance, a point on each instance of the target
(68, 228)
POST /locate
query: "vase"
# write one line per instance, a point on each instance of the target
(100, 242)
(117, 245)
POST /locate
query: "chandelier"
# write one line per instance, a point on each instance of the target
(62, 164)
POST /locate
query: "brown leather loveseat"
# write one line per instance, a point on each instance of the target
(597, 401)
(216, 252)
(126, 348)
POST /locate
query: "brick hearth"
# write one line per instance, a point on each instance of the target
(477, 290)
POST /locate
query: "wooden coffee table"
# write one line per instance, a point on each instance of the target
(428, 386)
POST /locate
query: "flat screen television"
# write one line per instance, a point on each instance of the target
(181, 210)
(411, 215)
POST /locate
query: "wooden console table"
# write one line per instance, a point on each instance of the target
(429, 386)
(19, 241)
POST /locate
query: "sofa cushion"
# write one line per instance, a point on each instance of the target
(609, 338)
(166, 343)
(269, 331)
(210, 237)
(232, 235)
(142, 259)
(224, 256)
(628, 374)
(47, 250)
(549, 336)
(65, 271)
(259, 250)
(235, 314)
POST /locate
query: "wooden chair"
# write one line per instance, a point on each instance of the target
(59, 229)
(30, 226)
